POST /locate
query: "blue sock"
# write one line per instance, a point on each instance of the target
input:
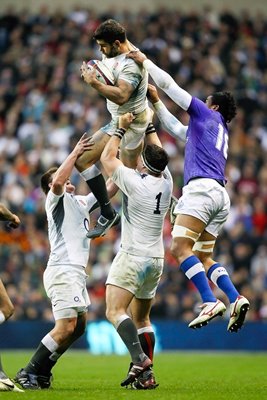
(194, 270)
(219, 276)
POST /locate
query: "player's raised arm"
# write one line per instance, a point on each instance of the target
(163, 80)
(169, 122)
(109, 155)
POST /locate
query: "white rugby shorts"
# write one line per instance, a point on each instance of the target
(138, 275)
(206, 200)
(136, 131)
(65, 285)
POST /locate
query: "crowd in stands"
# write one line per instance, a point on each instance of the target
(45, 107)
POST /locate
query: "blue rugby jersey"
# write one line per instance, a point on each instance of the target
(206, 143)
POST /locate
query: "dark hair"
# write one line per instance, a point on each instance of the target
(226, 103)
(155, 158)
(46, 178)
(109, 31)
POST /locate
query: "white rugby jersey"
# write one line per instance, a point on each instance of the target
(126, 69)
(146, 200)
(68, 222)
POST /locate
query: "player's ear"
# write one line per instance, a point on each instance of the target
(117, 43)
(215, 107)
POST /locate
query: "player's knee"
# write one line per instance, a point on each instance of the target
(66, 331)
(109, 314)
(8, 310)
(181, 248)
(113, 314)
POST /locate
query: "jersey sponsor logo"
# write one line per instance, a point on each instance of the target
(86, 224)
(82, 202)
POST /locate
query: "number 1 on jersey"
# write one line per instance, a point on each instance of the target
(158, 197)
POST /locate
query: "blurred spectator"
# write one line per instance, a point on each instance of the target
(45, 107)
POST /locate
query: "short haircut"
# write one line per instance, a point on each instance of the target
(46, 178)
(155, 158)
(226, 103)
(109, 31)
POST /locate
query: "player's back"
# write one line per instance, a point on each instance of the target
(207, 143)
(144, 210)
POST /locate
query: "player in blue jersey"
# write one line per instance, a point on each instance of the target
(204, 205)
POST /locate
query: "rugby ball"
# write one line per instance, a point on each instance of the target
(103, 73)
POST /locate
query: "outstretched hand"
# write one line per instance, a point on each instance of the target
(137, 56)
(15, 223)
(84, 144)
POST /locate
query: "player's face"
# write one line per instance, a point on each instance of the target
(109, 50)
(209, 101)
(70, 188)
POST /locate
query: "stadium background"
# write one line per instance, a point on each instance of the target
(44, 107)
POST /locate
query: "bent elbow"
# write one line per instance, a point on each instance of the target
(57, 185)
(121, 101)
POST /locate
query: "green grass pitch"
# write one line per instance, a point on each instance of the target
(181, 375)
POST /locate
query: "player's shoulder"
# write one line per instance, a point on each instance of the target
(127, 174)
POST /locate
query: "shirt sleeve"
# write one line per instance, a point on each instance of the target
(124, 178)
(51, 200)
(198, 108)
(131, 73)
(165, 82)
(169, 122)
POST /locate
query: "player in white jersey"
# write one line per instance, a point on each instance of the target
(127, 95)
(136, 270)
(6, 306)
(205, 204)
(65, 275)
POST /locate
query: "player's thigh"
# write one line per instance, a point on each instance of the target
(117, 299)
(91, 156)
(186, 231)
(191, 222)
(129, 157)
(123, 273)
